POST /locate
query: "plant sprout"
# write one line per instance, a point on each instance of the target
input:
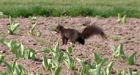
(98, 59)
(132, 59)
(121, 19)
(12, 27)
(14, 69)
(96, 67)
(32, 29)
(19, 50)
(33, 32)
(70, 63)
(118, 51)
(53, 65)
(1, 58)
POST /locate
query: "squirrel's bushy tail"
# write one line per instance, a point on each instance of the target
(93, 30)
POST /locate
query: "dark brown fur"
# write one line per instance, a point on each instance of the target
(75, 36)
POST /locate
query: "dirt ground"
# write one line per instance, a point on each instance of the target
(128, 34)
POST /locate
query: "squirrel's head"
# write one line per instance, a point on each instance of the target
(59, 28)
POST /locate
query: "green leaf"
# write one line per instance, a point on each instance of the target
(59, 56)
(22, 49)
(9, 68)
(1, 58)
(33, 18)
(14, 69)
(10, 20)
(46, 63)
(29, 54)
(118, 52)
(109, 68)
(3, 73)
(12, 28)
(124, 19)
(43, 49)
(57, 71)
(69, 61)
(57, 47)
(85, 70)
(2, 40)
(122, 73)
(132, 59)
(26, 54)
(119, 18)
(97, 70)
(38, 33)
(32, 54)
(69, 50)
(21, 70)
(98, 59)
(38, 74)
(31, 32)
(131, 72)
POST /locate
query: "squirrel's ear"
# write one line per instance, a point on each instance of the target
(59, 28)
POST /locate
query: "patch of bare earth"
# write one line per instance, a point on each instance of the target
(128, 34)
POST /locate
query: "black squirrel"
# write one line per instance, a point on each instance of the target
(75, 36)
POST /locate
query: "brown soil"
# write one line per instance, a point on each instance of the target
(128, 34)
